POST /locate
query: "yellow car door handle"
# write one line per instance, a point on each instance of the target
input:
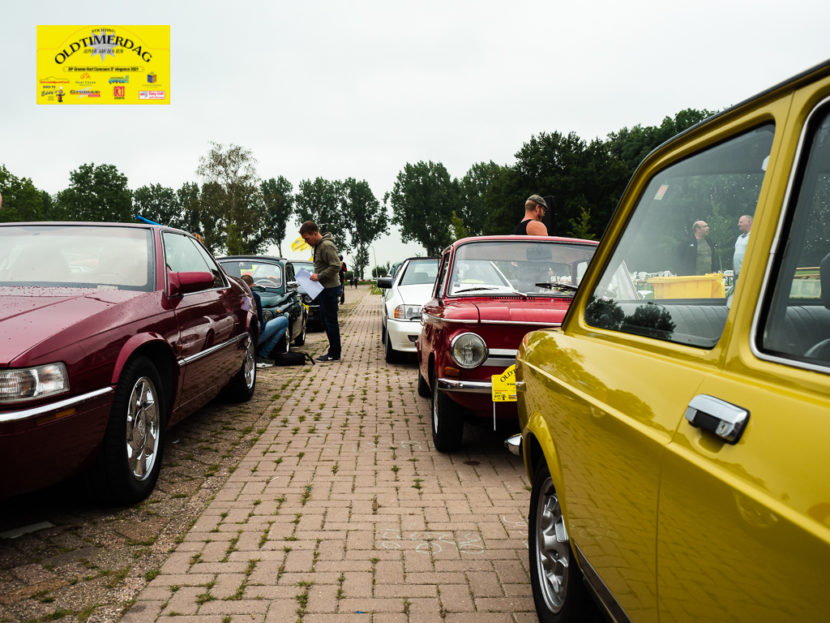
(718, 417)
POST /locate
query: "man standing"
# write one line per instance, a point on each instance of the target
(327, 272)
(698, 257)
(532, 224)
(744, 225)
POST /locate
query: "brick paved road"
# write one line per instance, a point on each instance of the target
(343, 511)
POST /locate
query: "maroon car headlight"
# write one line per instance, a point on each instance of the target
(468, 350)
(21, 384)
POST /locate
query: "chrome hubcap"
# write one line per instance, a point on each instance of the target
(143, 423)
(553, 554)
(250, 364)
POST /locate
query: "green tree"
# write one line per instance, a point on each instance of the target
(367, 219)
(231, 196)
(474, 188)
(581, 226)
(21, 200)
(279, 206)
(322, 201)
(96, 193)
(158, 203)
(423, 200)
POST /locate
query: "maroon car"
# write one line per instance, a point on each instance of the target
(110, 333)
(490, 291)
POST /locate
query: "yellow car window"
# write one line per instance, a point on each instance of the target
(673, 270)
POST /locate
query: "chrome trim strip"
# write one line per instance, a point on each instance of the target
(533, 324)
(499, 362)
(448, 320)
(500, 357)
(766, 285)
(464, 387)
(604, 596)
(211, 350)
(503, 352)
(15, 416)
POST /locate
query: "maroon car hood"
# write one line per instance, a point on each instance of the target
(531, 310)
(30, 316)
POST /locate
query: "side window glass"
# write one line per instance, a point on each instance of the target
(672, 274)
(218, 277)
(183, 255)
(442, 275)
(796, 314)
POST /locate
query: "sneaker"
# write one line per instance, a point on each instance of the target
(261, 362)
(325, 358)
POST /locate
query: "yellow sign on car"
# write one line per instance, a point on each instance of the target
(504, 385)
(103, 64)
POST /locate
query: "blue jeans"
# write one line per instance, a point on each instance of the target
(272, 332)
(328, 299)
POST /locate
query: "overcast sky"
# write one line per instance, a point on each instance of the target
(341, 89)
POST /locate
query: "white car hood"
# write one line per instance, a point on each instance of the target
(417, 294)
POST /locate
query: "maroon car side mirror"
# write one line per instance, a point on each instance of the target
(186, 282)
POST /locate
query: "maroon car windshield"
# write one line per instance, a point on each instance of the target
(76, 256)
(533, 267)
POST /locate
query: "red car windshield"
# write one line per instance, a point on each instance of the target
(511, 267)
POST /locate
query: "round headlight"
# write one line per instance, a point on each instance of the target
(468, 350)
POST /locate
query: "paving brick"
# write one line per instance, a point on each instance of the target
(343, 501)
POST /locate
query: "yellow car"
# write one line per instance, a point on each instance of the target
(676, 428)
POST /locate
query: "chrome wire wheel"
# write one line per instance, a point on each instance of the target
(142, 429)
(249, 365)
(552, 549)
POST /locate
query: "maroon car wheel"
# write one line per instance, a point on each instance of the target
(241, 386)
(447, 421)
(130, 458)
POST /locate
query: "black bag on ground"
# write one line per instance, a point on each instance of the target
(292, 358)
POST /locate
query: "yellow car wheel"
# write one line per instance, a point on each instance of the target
(558, 589)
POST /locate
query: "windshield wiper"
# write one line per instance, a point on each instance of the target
(505, 290)
(476, 289)
(557, 285)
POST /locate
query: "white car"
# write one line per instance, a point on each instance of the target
(404, 295)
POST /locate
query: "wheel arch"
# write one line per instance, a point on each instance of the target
(539, 446)
(158, 351)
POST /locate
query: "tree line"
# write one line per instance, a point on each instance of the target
(237, 212)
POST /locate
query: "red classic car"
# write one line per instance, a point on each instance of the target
(490, 291)
(110, 333)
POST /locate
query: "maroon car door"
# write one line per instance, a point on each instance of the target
(207, 348)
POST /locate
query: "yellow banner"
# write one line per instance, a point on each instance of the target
(299, 245)
(103, 65)
(504, 385)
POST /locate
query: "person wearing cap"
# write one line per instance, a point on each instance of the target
(532, 224)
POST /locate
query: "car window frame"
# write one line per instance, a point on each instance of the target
(722, 138)
(764, 303)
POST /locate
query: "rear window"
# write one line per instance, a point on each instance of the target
(420, 272)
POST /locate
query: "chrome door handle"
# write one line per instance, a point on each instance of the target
(718, 417)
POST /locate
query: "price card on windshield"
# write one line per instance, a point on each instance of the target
(504, 385)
